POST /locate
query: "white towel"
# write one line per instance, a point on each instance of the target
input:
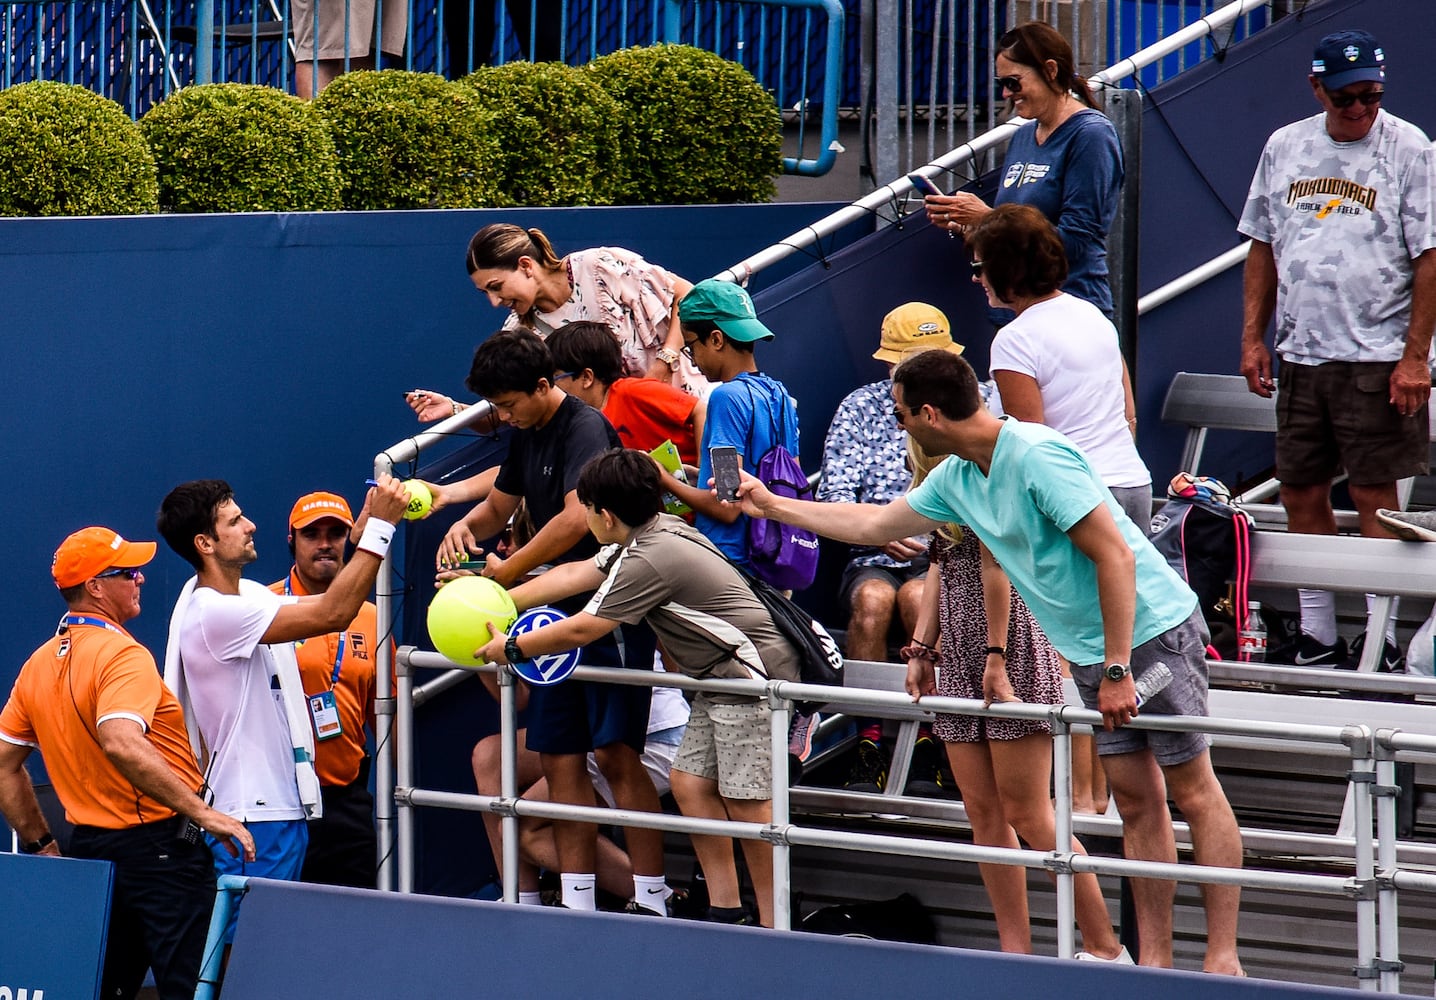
(301, 736)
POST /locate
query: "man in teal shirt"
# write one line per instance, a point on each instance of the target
(1104, 596)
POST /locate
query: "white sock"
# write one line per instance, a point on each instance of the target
(1318, 615)
(1390, 622)
(534, 898)
(578, 891)
(651, 892)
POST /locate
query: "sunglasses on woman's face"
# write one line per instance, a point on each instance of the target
(1011, 84)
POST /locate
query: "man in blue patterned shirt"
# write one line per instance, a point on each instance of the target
(865, 461)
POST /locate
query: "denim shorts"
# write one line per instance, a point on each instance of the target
(1184, 650)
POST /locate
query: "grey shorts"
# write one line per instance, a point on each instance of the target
(1184, 650)
(1136, 503)
(730, 744)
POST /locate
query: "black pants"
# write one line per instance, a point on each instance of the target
(460, 29)
(160, 907)
(343, 848)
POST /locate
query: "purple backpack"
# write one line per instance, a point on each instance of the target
(779, 554)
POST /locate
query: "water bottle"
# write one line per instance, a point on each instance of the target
(1153, 682)
(1251, 643)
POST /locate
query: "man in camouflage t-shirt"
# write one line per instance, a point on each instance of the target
(1342, 217)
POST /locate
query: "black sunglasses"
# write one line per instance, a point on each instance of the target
(132, 573)
(1011, 84)
(977, 269)
(1344, 101)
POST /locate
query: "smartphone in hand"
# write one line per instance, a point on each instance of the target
(725, 471)
(924, 185)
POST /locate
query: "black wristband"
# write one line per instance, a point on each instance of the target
(996, 651)
(36, 846)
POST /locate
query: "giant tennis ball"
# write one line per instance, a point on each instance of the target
(421, 498)
(460, 613)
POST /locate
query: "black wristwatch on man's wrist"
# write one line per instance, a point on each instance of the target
(1116, 671)
(512, 653)
(36, 846)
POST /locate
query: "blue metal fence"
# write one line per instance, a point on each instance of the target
(805, 52)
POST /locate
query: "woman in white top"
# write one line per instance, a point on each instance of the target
(1059, 362)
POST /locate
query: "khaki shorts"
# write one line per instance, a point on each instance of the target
(1338, 416)
(361, 28)
(731, 744)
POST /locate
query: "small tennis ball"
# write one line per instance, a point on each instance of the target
(421, 498)
(460, 613)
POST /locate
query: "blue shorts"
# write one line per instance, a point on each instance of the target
(574, 717)
(1184, 650)
(279, 848)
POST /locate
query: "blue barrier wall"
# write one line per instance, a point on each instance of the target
(54, 913)
(455, 947)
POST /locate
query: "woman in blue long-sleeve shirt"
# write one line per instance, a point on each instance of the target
(1065, 161)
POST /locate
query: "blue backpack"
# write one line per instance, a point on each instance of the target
(779, 554)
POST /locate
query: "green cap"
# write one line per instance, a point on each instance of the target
(725, 305)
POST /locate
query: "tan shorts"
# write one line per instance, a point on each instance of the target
(731, 744)
(361, 28)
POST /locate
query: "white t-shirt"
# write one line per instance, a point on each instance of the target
(1071, 351)
(228, 673)
(1344, 220)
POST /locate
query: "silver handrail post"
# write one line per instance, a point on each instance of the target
(1387, 792)
(780, 720)
(386, 752)
(509, 781)
(1062, 842)
(1360, 778)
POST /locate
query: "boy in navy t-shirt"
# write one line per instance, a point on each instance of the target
(555, 435)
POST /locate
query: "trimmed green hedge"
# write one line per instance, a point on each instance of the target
(697, 129)
(410, 140)
(65, 150)
(559, 133)
(235, 147)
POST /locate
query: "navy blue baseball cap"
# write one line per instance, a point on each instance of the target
(1346, 57)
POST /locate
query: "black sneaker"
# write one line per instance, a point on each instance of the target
(1391, 662)
(1307, 652)
(743, 918)
(924, 776)
(870, 770)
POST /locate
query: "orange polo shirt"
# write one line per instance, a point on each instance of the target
(69, 686)
(337, 759)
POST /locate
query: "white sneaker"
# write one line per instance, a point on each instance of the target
(1122, 957)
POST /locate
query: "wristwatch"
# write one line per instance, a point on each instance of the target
(36, 846)
(1117, 671)
(512, 653)
(668, 357)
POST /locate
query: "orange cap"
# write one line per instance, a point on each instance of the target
(90, 551)
(315, 506)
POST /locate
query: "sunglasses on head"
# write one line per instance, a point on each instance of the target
(1344, 101)
(130, 573)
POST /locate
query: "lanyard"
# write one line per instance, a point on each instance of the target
(71, 620)
(338, 653)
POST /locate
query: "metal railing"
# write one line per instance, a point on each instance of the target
(1374, 883)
